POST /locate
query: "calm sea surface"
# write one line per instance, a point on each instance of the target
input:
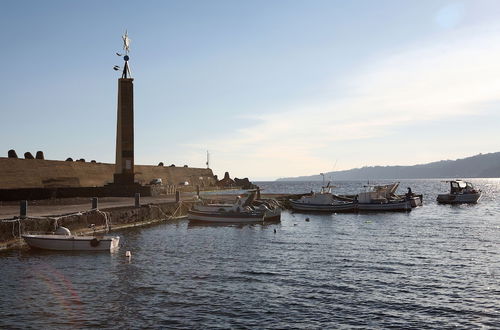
(435, 267)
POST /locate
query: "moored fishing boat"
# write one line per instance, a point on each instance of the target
(63, 240)
(461, 192)
(383, 198)
(323, 201)
(246, 209)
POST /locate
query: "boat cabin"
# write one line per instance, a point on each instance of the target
(461, 187)
(378, 194)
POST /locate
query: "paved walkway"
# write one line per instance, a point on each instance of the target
(9, 210)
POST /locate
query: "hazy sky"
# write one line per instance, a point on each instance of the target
(271, 88)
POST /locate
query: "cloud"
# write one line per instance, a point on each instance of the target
(448, 76)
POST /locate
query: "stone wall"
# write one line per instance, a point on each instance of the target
(18, 173)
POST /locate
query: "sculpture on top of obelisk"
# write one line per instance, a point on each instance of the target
(126, 47)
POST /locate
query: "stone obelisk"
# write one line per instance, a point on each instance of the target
(124, 170)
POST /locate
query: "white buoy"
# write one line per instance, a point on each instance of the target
(128, 254)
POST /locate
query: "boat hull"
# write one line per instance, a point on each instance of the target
(341, 207)
(272, 215)
(72, 243)
(391, 206)
(458, 198)
(416, 200)
(225, 217)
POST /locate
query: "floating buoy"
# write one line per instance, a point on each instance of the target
(307, 219)
(128, 254)
(275, 230)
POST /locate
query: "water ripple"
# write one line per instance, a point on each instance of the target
(435, 267)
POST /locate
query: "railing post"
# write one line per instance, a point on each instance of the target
(23, 209)
(198, 190)
(95, 203)
(177, 196)
(137, 200)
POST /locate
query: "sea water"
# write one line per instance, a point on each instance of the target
(437, 266)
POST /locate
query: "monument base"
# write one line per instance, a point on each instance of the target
(124, 179)
(123, 188)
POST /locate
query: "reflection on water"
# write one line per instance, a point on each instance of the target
(433, 267)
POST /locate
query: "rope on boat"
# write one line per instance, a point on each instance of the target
(107, 219)
(55, 219)
(173, 215)
(13, 221)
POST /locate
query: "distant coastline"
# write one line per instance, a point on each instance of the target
(478, 166)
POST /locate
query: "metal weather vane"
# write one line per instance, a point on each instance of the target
(126, 47)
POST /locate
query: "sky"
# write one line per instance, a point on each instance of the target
(270, 88)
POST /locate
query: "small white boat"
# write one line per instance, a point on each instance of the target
(461, 192)
(382, 198)
(63, 240)
(323, 201)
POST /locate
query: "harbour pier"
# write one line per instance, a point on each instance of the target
(78, 214)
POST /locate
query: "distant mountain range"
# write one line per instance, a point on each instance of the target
(479, 166)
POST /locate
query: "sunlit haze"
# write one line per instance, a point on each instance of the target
(270, 88)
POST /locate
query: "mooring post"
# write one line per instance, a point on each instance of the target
(177, 196)
(137, 200)
(198, 190)
(23, 209)
(95, 203)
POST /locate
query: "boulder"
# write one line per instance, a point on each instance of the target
(160, 164)
(12, 153)
(226, 181)
(69, 159)
(244, 183)
(39, 155)
(28, 155)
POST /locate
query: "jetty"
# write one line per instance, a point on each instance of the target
(85, 216)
